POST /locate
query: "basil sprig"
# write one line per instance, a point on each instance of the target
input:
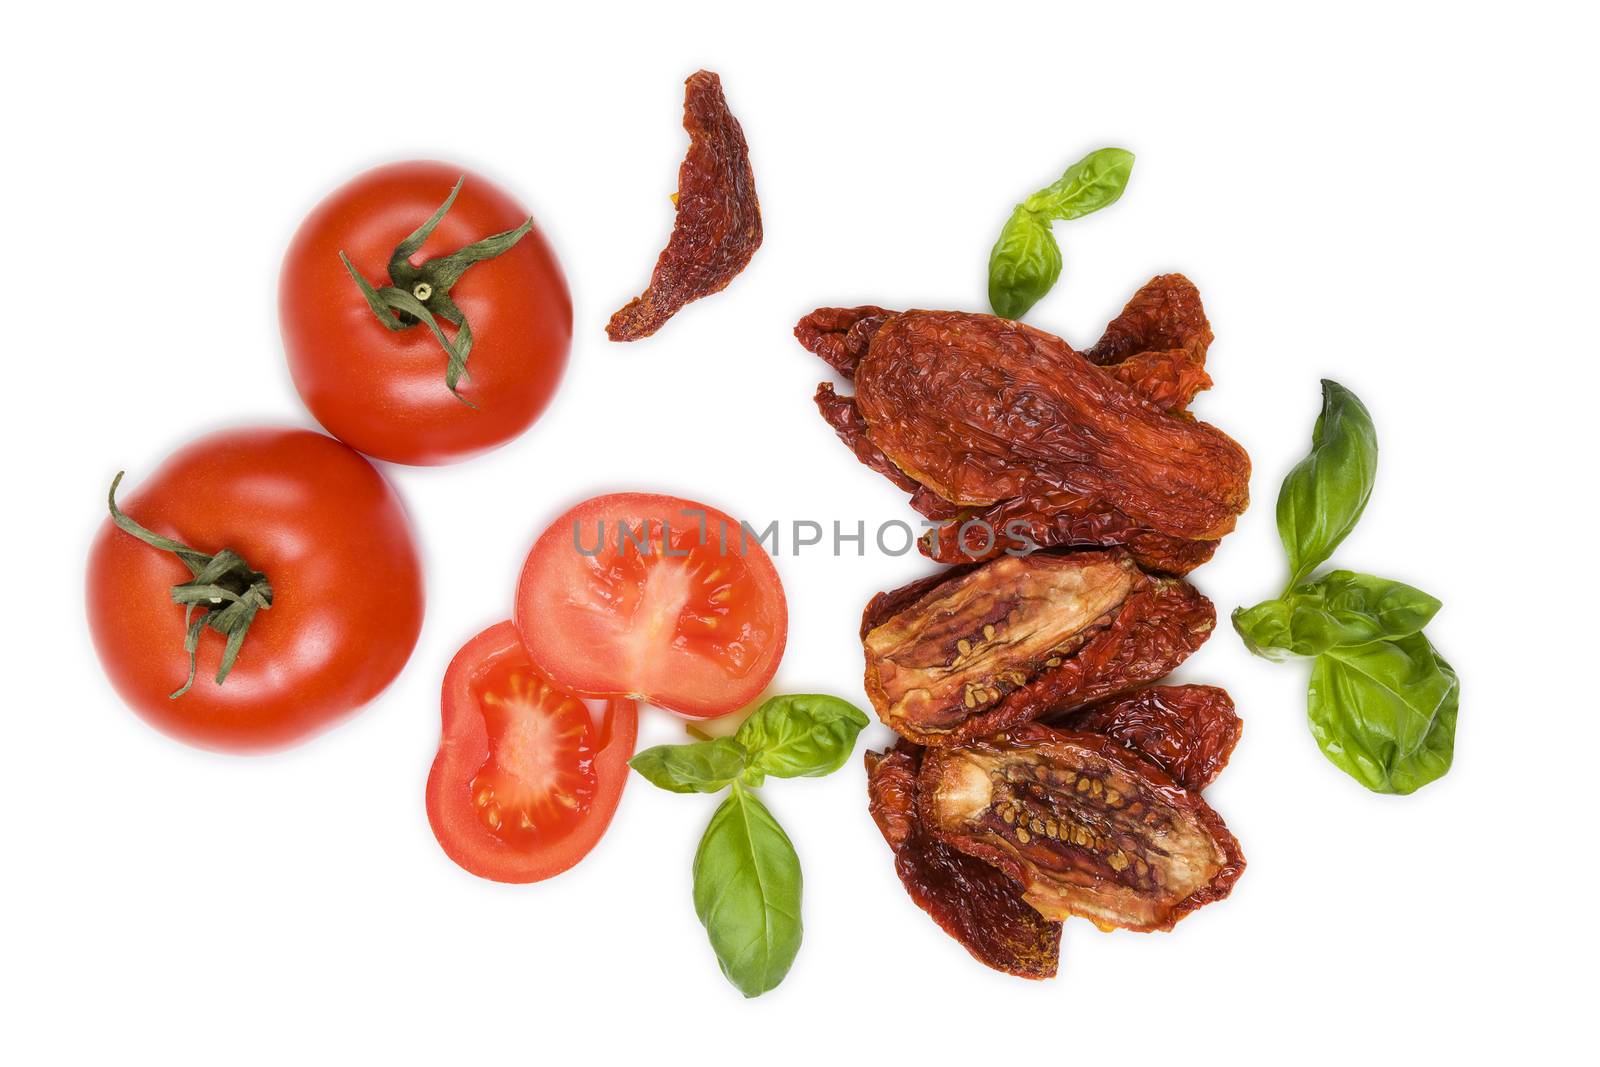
(1026, 261)
(747, 880)
(1382, 702)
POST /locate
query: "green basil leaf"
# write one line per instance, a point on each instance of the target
(1396, 609)
(1385, 713)
(807, 735)
(1340, 609)
(1325, 493)
(1024, 263)
(702, 767)
(747, 893)
(1095, 181)
(1266, 629)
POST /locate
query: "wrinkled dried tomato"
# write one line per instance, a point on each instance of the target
(840, 336)
(1189, 731)
(1055, 517)
(973, 902)
(1157, 346)
(996, 421)
(718, 223)
(980, 409)
(985, 647)
(1084, 825)
(841, 413)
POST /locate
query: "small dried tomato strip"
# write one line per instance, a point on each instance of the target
(718, 224)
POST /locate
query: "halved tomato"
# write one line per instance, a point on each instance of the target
(654, 597)
(527, 777)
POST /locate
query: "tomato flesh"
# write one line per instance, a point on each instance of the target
(527, 777)
(539, 778)
(632, 595)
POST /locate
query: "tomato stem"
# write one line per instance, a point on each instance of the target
(226, 589)
(421, 294)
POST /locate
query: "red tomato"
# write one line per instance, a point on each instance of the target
(332, 539)
(526, 780)
(696, 625)
(384, 392)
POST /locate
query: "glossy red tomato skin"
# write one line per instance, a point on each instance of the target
(383, 392)
(548, 629)
(463, 749)
(332, 538)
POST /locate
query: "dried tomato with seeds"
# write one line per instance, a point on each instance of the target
(718, 225)
(998, 421)
(985, 647)
(1186, 731)
(1189, 731)
(971, 901)
(1085, 826)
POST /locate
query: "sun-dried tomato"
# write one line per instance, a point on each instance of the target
(1084, 825)
(1189, 731)
(1186, 731)
(718, 223)
(985, 647)
(973, 902)
(980, 409)
(841, 413)
(1056, 517)
(840, 336)
(1158, 344)
(996, 421)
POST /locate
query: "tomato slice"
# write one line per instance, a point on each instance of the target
(526, 779)
(657, 598)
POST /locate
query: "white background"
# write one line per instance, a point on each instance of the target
(1399, 198)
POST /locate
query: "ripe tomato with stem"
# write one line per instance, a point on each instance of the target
(259, 586)
(424, 315)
